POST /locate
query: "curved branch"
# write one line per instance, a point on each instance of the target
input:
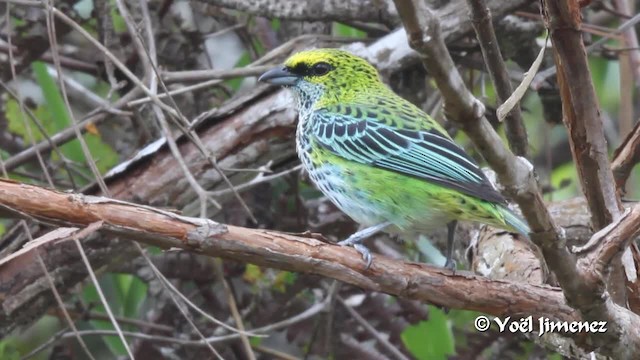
(461, 290)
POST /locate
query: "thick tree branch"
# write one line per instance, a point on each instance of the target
(274, 249)
(581, 113)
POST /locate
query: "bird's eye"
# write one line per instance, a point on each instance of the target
(320, 69)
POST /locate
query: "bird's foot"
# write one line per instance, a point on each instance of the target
(363, 250)
(356, 240)
(450, 264)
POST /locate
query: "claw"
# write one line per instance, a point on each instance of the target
(451, 265)
(366, 255)
(356, 240)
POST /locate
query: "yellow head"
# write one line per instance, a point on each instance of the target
(322, 76)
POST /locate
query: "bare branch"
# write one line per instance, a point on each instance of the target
(581, 113)
(626, 157)
(274, 249)
(481, 20)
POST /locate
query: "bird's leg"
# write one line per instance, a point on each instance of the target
(357, 238)
(451, 231)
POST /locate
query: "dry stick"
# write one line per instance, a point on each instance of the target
(310, 312)
(201, 75)
(94, 315)
(90, 161)
(581, 113)
(360, 350)
(481, 20)
(53, 41)
(83, 91)
(57, 296)
(183, 124)
(149, 60)
(275, 354)
(183, 311)
(259, 179)
(626, 156)
(631, 41)
(589, 148)
(629, 63)
(233, 306)
(371, 330)
(307, 10)
(59, 335)
(62, 307)
(104, 301)
(172, 289)
(521, 89)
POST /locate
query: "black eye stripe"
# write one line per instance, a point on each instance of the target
(317, 69)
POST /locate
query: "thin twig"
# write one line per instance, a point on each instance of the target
(96, 284)
(259, 179)
(53, 41)
(58, 298)
(371, 330)
(202, 75)
(483, 26)
(233, 306)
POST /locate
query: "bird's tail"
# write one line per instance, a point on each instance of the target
(515, 222)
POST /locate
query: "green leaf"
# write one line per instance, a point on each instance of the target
(135, 296)
(431, 339)
(275, 24)
(58, 117)
(119, 25)
(8, 350)
(55, 118)
(340, 29)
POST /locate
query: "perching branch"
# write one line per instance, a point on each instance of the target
(279, 250)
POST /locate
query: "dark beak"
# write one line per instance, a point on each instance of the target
(279, 76)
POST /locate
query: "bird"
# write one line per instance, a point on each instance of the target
(379, 158)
